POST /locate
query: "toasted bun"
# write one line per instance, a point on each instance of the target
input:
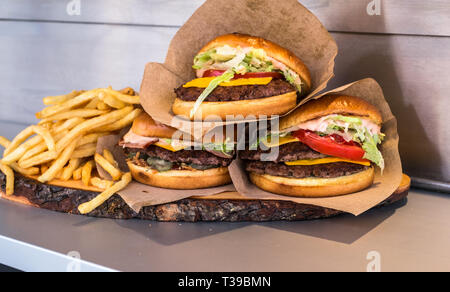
(274, 105)
(145, 126)
(329, 105)
(314, 187)
(273, 50)
(181, 179)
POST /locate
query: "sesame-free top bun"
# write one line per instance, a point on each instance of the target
(273, 50)
(181, 179)
(145, 126)
(329, 105)
(314, 187)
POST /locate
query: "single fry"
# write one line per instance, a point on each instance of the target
(122, 123)
(87, 171)
(45, 134)
(69, 169)
(90, 124)
(54, 100)
(77, 113)
(84, 151)
(44, 168)
(128, 91)
(68, 105)
(103, 197)
(93, 103)
(39, 159)
(25, 171)
(101, 184)
(91, 138)
(4, 142)
(111, 100)
(9, 178)
(19, 139)
(59, 163)
(77, 173)
(110, 157)
(123, 97)
(108, 167)
(101, 105)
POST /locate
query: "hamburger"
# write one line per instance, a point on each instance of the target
(155, 157)
(327, 147)
(242, 75)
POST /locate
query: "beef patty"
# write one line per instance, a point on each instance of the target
(236, 93)
(199, 157)
(329, 170)
(287, 152)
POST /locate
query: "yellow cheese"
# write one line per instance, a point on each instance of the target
(171, 147)
(325, 160)
(204, 82)
(281, 141)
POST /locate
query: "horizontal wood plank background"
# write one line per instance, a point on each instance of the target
(44, 51)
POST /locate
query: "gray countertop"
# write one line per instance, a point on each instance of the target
(407, 236)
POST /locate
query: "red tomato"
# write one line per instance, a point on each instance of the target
(333, 145)
(215, 73)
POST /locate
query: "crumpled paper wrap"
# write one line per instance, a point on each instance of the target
(286, 23)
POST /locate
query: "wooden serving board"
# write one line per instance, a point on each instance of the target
(230, 206)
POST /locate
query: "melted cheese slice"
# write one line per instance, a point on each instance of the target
(204, 82)
(281, 141)
(173, 148)
(325, 161)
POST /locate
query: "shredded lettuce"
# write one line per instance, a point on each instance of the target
(292, 81)
(201, 59)
(225, 77)
(361, 135)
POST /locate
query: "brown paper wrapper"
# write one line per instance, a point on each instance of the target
(355, 203)
(286, 23)
(138, 195)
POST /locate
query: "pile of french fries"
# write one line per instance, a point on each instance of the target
(62, 146)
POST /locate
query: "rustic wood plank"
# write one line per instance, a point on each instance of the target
(419, 17)
(217, 208)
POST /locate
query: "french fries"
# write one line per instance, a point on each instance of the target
(69, 169)
(103, 197)
(86, 172)
(108, 167)
(4, 142)
(100, 183)
(9, 178)
(77, 173)
(120, 124)
(85, 151)
(78, 113)
(63, 144)
(59, 163)
(110, 157)
(55, 100)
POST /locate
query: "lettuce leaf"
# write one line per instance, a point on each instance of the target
(225, 77)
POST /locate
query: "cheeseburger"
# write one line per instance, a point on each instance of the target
(158, 159)
(241, 75)
(327, 147)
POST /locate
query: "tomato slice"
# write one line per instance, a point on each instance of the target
(333, 145)
(274, 75)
